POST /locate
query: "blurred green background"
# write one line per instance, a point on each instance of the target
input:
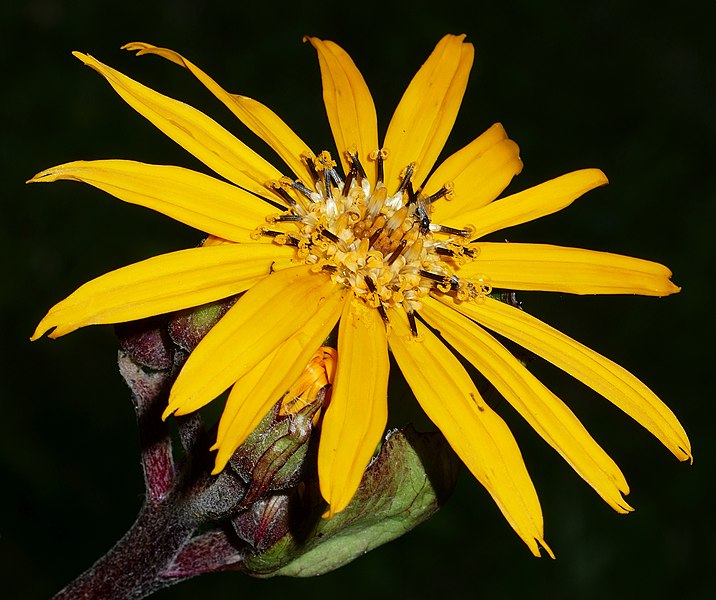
(625, 86)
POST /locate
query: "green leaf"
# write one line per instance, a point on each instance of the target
(407, 482)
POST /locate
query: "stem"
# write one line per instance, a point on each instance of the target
(133, 568)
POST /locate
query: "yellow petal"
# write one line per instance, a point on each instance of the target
(349, 105)
(479, 173)
(426, 113)
(277, 308)
(193, 130)
(476, 433)
(355, 420)
(163, 284)
(195, 199)
(259, 389)
(258, 118)
(546, 413)
(533, 203)
(601, 374)
(571, 270)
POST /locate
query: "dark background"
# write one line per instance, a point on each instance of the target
(625, 86)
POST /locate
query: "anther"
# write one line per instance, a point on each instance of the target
(413, 324)
(327, 183)
(336, 178)
(374, 238)
(355, 164)
(435, 228)
(406, 175)
(379, 156)
(330, 235)
(349, 181)
(311, 167)
(412, 196)
(279, 191)
(300, 187)
(444, 251)
(285, 218)
(434, 276)
(289, 239)
(397, 252)
(445, 191)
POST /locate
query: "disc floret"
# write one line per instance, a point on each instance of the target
(379, 243)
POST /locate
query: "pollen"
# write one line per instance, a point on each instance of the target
(380, 243)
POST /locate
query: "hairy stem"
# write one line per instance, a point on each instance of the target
(133, 567)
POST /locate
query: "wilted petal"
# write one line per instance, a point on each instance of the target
(257, 117)
(601, 374)
(193, 130)
(162, 284)
(476, 433)
(355, 420)
(198, 200)
(349, 105)
(275, 309)
(572, 270)
(545, 413)
(427, 111)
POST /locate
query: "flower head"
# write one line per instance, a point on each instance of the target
(377, 242)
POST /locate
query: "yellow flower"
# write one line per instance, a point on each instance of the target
(386, 248)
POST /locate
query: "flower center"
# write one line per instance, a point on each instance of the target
(380, 243)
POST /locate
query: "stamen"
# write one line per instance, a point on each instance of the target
(435, 228)
(309, 159)
(277, 188)
(398, 251)
(413, 324)
(285, 218)
(374, 238)
(355, 163)
(349, 181)
(379, 156)
(412, 196)
(330, 235)
(444, 251)
(434, 276)
(327, 183)
(406, 175)
(281, 237)
(445, 191)
(299, 186)
(336, 178)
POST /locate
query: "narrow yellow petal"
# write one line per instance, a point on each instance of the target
(476, 433)
(546, 413)
(533, 203)
(349, 105)
(198, 200)
(601, 374)
(355, 420)
(427, 111)
(479, 173)
(163, 284)
(259, 389)
(275, 309)
(193, 130)
(571, 270)
(257, 117)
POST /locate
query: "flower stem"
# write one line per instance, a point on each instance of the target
(133, 567)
